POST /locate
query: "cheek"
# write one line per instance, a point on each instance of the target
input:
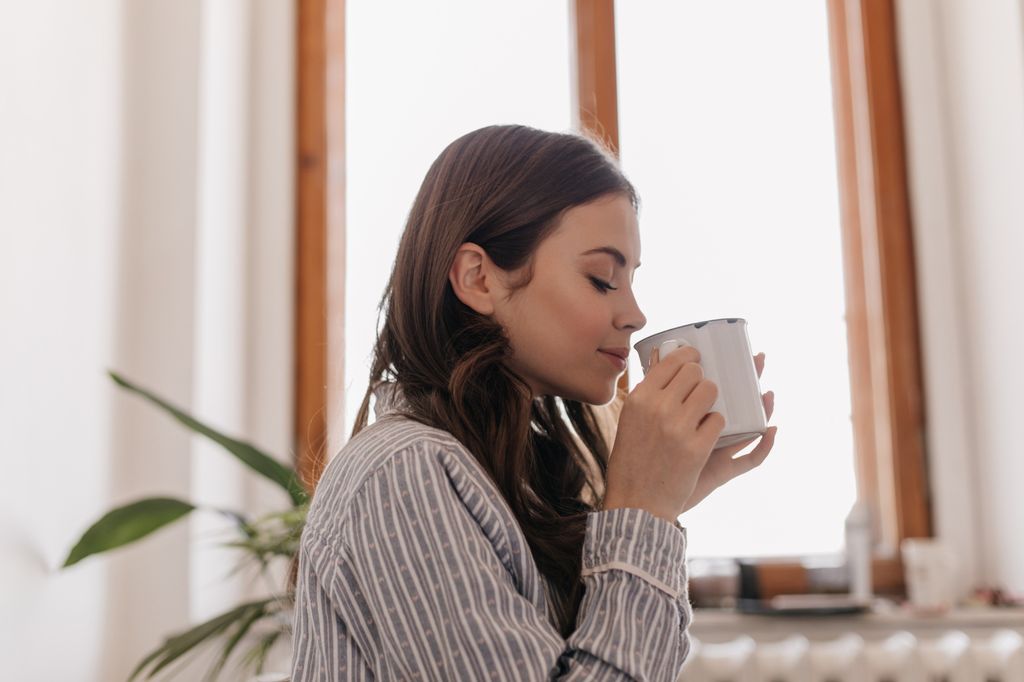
(578, 318)
(591, 323)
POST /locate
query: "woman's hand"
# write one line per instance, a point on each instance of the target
(664, 437)
(720, 467)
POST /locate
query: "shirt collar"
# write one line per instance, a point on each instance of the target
(389, 399)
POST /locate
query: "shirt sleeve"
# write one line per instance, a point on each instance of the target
(428, 598)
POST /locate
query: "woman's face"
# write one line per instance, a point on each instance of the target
(570, 327)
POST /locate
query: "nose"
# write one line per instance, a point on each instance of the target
(631, 317)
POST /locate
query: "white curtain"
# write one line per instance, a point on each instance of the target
(147, 227)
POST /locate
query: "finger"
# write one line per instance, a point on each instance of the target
(730, 451)
(759, 363)
(756, 456)
(655, 356)
(710, 426)
(696, 395)
(769, 403)
(668, 367)
(744, 443)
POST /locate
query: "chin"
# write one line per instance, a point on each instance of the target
(595, 395)
(607, 396)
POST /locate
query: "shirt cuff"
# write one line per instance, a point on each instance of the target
(636, 541)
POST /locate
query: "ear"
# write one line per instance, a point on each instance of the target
(472, 278)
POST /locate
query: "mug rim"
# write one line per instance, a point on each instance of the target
(701, 323)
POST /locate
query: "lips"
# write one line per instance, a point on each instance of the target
(621, 353)
(615, 356)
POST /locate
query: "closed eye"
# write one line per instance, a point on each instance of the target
(601, 285)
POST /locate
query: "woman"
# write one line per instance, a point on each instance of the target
(484, 526)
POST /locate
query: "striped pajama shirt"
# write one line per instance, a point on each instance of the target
(413, 567)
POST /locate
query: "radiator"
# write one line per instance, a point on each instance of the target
(952, 656)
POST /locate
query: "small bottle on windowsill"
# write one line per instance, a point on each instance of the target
(858, 552)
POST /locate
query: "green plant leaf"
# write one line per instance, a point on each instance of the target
(178, 645)
(244, 625)
(273, 535)
(257, 655)
(127, 524)
(256, 460)
(243, 524)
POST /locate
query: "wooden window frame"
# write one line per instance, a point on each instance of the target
(883, 334)
(319, 232)
(878, 258)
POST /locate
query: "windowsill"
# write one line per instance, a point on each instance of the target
(723, 624)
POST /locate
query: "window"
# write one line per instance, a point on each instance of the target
(732, 148)
(881, 334)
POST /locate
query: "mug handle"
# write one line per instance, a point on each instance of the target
(667, 347)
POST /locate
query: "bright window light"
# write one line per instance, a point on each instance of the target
(726, 129)
(419, 75)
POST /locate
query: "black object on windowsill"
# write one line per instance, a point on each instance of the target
(749, 600)
(802, 605)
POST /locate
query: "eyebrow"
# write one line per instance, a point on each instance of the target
(613, 252)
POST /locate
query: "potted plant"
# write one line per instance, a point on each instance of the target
(264, 540)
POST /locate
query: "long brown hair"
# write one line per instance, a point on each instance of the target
(503, 188)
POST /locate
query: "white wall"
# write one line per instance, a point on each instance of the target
(59, 212)
(100, 122)
(963, 83)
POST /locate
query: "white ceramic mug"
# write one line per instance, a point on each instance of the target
(928, 567)
(727, 360)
